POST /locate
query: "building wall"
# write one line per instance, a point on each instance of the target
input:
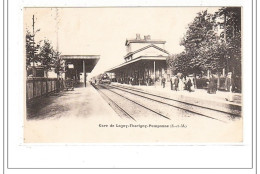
(150, 52)
(135, 46)
(140, 72)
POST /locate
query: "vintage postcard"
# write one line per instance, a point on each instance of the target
(133, 75)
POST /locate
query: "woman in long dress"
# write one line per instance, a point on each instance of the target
(192, 84)
(232, 88)
(212, 85)
(181, 84)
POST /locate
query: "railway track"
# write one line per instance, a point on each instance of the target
(233, 114)
(131, 90)
(118, 109)
(199, 111)
(153, 112)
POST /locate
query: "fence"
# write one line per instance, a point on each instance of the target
(39, 86)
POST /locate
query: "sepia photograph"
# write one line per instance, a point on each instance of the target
(133, 75)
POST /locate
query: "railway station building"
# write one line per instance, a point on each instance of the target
(77, 66)
(145, 62)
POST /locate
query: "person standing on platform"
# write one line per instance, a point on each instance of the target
(232, 88)
(181, 84)
(173, 82)
(132, 79)
(188, 85)
(228, 81)
(163, 82)
(192, 84)
(147, 81)
(176, 83)
(212, 85)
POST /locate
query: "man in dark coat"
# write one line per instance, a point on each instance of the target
(176, 83)
(189, 84)
(163, 82)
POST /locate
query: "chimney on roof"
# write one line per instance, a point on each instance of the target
(138, 37)
(148, 37)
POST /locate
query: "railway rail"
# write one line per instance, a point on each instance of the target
(187, 107)
(233, 113)
(132, 101)
(113, 104)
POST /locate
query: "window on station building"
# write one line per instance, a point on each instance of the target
(70, 66)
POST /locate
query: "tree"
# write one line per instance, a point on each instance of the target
(231, 35)
(50, 58)
(205, 49)
(46, 55)
(31, 49)
(199, 41)
(211, 53)
(58, 63)
(181, 63)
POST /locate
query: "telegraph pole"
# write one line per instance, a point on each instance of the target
(57, 40)
(33, 24)
(57, 28)
(58, 61)
(33, 39)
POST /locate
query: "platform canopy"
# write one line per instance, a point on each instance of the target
(77, 61)
(81, 64)
(137, 60)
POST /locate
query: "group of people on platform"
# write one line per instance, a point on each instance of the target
(182, 83)
(230, 84)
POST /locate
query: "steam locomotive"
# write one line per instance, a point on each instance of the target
(104, 79)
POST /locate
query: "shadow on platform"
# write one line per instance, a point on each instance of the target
(36, 108)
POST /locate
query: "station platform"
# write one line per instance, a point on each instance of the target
(198, 96)
(81, 102)
(68, 116)
(83, 116)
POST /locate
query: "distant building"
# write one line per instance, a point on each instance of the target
(145, 62)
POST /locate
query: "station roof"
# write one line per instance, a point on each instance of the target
(128, 41)
(148, 46)
(77, 60)
(136, 60)
(65, 57)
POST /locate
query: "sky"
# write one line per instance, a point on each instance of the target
(103, 31)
